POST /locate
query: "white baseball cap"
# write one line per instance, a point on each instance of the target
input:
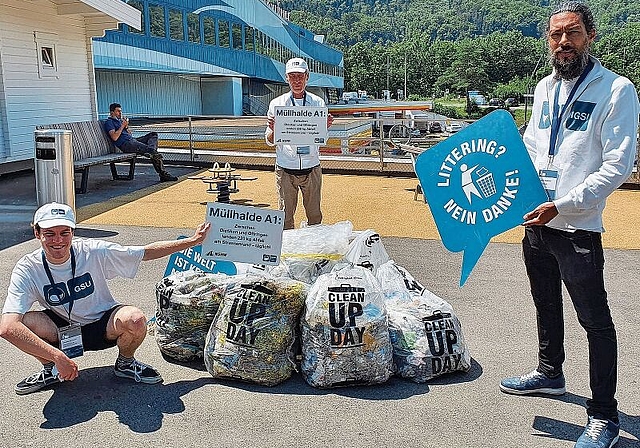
(54, 214)
(296, 65)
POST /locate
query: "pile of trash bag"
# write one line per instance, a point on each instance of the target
(252, 336)
(336, 302)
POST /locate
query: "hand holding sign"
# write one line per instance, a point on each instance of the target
(479, 183)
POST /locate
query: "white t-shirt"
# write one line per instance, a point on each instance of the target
(96, 262)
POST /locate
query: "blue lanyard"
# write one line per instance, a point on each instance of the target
(557, 113)
(72, 294)
(304, 100)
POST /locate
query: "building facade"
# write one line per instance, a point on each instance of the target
(207, 57)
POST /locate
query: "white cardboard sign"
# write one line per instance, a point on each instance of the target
(300, 125)
(242, 233)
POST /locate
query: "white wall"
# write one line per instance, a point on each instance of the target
(28, 99)
(3, 122)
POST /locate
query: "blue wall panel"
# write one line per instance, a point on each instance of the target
(148, 93)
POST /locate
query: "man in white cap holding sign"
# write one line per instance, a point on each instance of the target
(68, 278)
(297, 167)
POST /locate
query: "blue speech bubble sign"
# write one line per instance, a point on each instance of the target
(479, 183)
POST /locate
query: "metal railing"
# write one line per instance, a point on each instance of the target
(354, 144)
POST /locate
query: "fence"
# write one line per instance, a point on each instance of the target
(354, 144)
(366, 145)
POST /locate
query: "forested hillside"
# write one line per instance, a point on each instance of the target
(494, 46)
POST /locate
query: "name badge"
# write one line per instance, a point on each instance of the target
(71, 340)
(304, 150)
(549, 180)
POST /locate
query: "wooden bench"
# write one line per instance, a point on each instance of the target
(92, 146)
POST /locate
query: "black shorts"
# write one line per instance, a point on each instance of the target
(93, 334)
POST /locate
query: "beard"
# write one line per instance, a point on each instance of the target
(570, 68)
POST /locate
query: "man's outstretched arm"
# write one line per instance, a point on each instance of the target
(161, 249)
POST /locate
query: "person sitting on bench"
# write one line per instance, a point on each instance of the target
(117, 128)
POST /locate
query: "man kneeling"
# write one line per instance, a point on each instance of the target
(68, 277)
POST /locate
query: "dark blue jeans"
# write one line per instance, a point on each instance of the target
(576, 258)
(147, 144)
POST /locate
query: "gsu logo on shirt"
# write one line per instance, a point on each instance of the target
(59, 294)
(577, 119)
(579, 115)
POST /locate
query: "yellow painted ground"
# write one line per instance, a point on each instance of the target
(384, 204)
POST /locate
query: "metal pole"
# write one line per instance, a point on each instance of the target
(191, 139)
(381, 151)
(387, 71)
(406, 95)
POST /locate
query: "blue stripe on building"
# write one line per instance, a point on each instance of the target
(215, 57)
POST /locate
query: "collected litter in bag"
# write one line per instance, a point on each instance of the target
(345, 338)
(252, 336)
(186, 305)
(367, 250)
(397, 282)
(309, 252)
(426, 334)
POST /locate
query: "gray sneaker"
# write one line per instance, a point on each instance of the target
(533, 383)
(39, 380)
(137, 371)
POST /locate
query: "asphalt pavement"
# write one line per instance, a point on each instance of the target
(191, 409)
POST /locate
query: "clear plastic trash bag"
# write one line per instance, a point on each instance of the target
(186, 303)
(252, 336)
(345, 338)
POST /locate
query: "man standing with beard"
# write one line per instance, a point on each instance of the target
(582, 140)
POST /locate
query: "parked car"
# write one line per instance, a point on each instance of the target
(435, 127)
(511, 102)
(496, 102)
(453, 127)
(350, 98)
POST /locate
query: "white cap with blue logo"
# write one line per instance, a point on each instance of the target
(296, 65)
(54, 214)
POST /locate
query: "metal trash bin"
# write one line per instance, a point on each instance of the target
(54, 167)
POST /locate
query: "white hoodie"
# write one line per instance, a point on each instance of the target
(596, 143)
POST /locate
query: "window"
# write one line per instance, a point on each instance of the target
(48, 59)
(209, 26)
(223, 34)
(248, 38)
(236, 32)
(176, 27)
(46, 53)
(140, 7)
(259, 42)
(193, 27)
(156, 21)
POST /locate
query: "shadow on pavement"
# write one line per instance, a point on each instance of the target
(94, 233)
(18, 197)
(141, 407)
(558, 429)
